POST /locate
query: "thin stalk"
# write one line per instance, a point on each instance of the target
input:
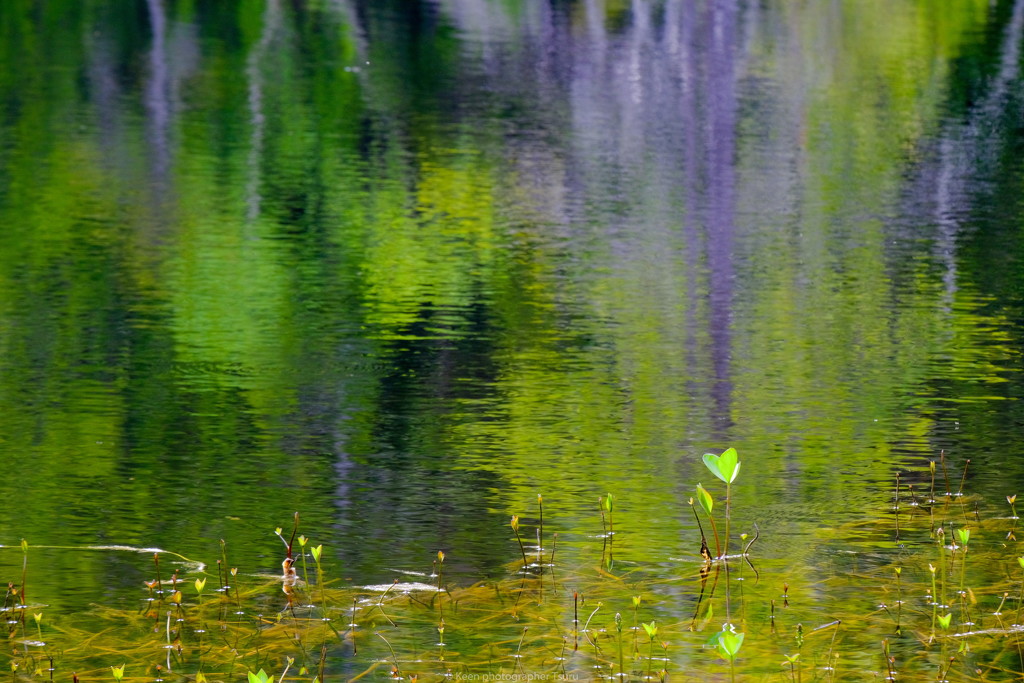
(650, 657)
(728, 505)
(636, 628)
(288, 661)
(540, 530)
(945, 474)
(966, 615)
(1020, 601)
(942, 565)
(576, 617)
(515, 528)
(380, 602)
(224, 562)
(618, 627)
(394, 657)
(998, 612)
(704, 552)
(897, 509)
(586, 626)
(714, 532)
(935, 601)
(944, 674)
(611, 518)
(305, 571)
(890, 661)
(725, 558)
(322, 664)
(24, 576)
(291, 541)
(323, 588)
(963, 478)
(931, 468)
(238, 595)
(440, 566)
(899, 599)
(519, 656)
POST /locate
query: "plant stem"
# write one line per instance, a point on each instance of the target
(540, 530)
(963, 478)
(945, 473)
(714, 532)
(897, 508)
(728, 504)
(526, 562)
(725, 558)
(650, 658)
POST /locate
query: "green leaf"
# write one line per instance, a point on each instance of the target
(608, 503)
(651, 628)
(944, 620)
(729, 644)
(705, 499)
(964, 534)
(725, 466)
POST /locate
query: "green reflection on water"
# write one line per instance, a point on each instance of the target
(387, 265)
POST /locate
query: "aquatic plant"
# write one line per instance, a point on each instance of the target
(726, 467)
(727, 643)
(708, 505)
(516, 623)
(515, 529)
(652, 631)
(260, 676)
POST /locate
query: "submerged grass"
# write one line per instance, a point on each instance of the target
(912, 610)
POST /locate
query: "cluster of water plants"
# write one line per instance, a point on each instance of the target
(935, 594)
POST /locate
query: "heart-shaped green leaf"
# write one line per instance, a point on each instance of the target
(705, 499)
(725, 466)
(729, 644)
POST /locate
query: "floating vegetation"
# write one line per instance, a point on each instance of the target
(937, 594)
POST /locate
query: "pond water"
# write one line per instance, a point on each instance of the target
(403, 266)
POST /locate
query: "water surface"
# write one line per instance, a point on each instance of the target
(403, 266)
